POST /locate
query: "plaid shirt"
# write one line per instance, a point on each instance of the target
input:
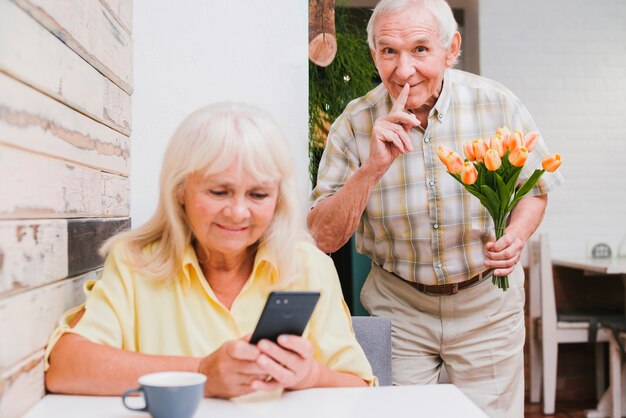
(419, 223)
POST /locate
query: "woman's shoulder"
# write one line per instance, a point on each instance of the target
(309, 251)
(316, 267)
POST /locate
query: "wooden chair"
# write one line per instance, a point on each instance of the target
(549, 328)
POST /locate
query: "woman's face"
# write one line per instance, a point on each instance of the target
(229, 211)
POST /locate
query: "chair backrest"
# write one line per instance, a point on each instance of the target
(542, 298)
(374, 335)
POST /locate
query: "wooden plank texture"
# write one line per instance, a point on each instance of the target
(40, 251)
(32, 253)
(123, 12)
(31, 120)
(88, 28)
(85, 236)
(27, 319)
(21, 386)
(42, 187)
(30, 53)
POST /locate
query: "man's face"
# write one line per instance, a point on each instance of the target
(408, 50)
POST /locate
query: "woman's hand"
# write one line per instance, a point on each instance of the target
(232, 369)
(289, 363)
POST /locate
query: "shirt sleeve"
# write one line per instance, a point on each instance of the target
(521, 120)
(330, 329)
(108, 317)
(338, 160)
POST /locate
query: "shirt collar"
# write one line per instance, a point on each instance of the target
(264, 264)
(440, 110)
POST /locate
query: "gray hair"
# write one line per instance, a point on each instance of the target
(207, 142)
(440, 9)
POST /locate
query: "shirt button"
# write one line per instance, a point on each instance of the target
(436, 226)
(440, 265)
(427, 139)
(432, 182)
(440, 116)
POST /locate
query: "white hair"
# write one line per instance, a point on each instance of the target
(440, 9)
(207, 142)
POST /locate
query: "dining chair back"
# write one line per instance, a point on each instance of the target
(549, 328)
(374, 335)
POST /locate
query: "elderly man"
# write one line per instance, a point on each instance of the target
(430, 242)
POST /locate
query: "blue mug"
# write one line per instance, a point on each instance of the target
(169, 394)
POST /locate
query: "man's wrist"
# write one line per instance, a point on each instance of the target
(372, 171)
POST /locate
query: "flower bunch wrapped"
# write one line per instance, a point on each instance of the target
(490, 172)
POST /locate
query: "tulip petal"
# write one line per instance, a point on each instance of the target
(530, 139)
(518, 156)
(551, 162)
(492, 160)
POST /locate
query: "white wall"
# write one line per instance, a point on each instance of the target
(188, 54)
(565, 59)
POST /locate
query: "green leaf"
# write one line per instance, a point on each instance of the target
(492, 199)
(526, 187)
(485, 202)
(489, 179)
(512, 180)
(505, 197)
(480, 167)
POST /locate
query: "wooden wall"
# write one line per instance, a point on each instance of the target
(65, 124)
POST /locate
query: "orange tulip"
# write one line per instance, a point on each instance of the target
(495, 143)
(516, 140)
(480, 148)
(518, 156)
(442, 153)
(551, 162)
(492, 160)
(454, 163)
(469, 151)
(504, 133)
(530, 140)
(452, 160)
(469, 174)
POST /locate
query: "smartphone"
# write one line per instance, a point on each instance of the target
(284, 313)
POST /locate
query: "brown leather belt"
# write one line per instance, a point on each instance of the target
(450, 288)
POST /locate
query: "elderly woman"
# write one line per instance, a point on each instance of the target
(184, 291)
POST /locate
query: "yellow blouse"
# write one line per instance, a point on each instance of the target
(183, 316)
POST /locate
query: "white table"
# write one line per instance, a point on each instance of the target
(598, 267)
(593, 266)
(441, 401)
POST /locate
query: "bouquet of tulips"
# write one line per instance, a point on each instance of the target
(490, 172)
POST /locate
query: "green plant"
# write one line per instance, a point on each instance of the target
(350, 75)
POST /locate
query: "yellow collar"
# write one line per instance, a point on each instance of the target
(264, 262)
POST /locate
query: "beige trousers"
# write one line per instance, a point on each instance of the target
(477, 333)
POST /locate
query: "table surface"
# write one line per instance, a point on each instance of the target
(614, 265)
(442, 401)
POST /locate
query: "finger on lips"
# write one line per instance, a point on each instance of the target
(402, 98)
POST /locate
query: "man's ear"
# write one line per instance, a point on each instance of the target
(453, 51)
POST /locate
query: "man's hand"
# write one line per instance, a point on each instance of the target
(290, 363)
(504, 254)
(231, 370)
(526, 216)
(390, 136)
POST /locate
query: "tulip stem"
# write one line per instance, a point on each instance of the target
(501, 281)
